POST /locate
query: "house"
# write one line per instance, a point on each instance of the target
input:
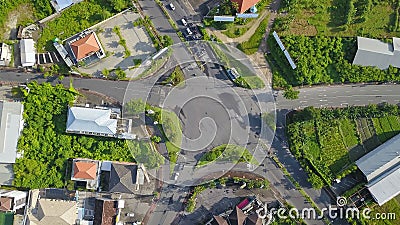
(60, 5)
(244, 5)
(98, 122)
(105, 212)
(372, 52)
(28, 51)
(5, 54)
(86, 170)
(126, 177)
(85, 47)
(381, 168)
(246, 212)
(11, 125)
(51, 211)
(12, 200)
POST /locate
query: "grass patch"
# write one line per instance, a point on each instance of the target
(170, 126)
(329, 17)
(176, 77)
(248, 78)
(251, 46)
(122, 41)
(227, 152)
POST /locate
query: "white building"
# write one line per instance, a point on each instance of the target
(11, 125)
(5, 54)
(12, 200)
(28, 51)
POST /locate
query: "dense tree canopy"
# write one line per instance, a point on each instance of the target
(45, 145)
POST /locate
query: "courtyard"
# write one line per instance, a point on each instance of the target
(138, 43)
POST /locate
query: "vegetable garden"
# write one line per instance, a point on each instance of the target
(327, 142)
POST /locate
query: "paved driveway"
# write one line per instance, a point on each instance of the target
(137, 41)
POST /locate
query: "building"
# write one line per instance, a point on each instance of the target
(85, 47)
(126, 177)
(104, 122)
(381, 168)
(250, 211)
(244, 5)
(372, 52)
(60, 5)
(11, 125)
(86, 170)
(51, 211)
(5, 54)
(11, 201)
(28, 51)
(105, 212)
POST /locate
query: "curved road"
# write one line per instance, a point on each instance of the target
(323, 96)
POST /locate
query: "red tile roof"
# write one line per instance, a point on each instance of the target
(244, 5)
(5, 203)
(85, 46)
(85, 170)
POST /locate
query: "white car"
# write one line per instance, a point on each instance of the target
(189, 31)
(184, 22)
(172, 6)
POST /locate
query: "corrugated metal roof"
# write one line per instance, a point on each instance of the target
(289, 59)
(387, 187)
(11, 124)
(91, 120)
(373, 52)
(27, 48)
(382, 170)
(381, 159)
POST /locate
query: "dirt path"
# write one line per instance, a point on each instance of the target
(258, 58)
(242, 38)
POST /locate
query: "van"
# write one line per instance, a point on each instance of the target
(184, 22)
(189, 31)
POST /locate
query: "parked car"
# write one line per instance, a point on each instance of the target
(172, 6)
(184, 22)
(189, 31)
(176, 175)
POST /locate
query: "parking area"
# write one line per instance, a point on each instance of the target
(137, 41)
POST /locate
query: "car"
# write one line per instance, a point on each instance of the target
(181, 166)
(176, 175)
(184, 22)
(172, 6)
(189, 31)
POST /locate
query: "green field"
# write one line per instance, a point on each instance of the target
(227, 152)
(327, 142)
(330, 18)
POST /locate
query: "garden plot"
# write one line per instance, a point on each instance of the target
(137, 42)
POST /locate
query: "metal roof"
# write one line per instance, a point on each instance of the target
(381, 159)
(91, 120)
(387, 187)
(27, 47)
(382, 170)
(278, 40)
(11, 124)
(373, 52)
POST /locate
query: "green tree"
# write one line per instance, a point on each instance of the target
(135, 107)
(290, 93)
(156, 138)
(118, 5)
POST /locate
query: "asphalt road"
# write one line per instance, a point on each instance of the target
(151, 9)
